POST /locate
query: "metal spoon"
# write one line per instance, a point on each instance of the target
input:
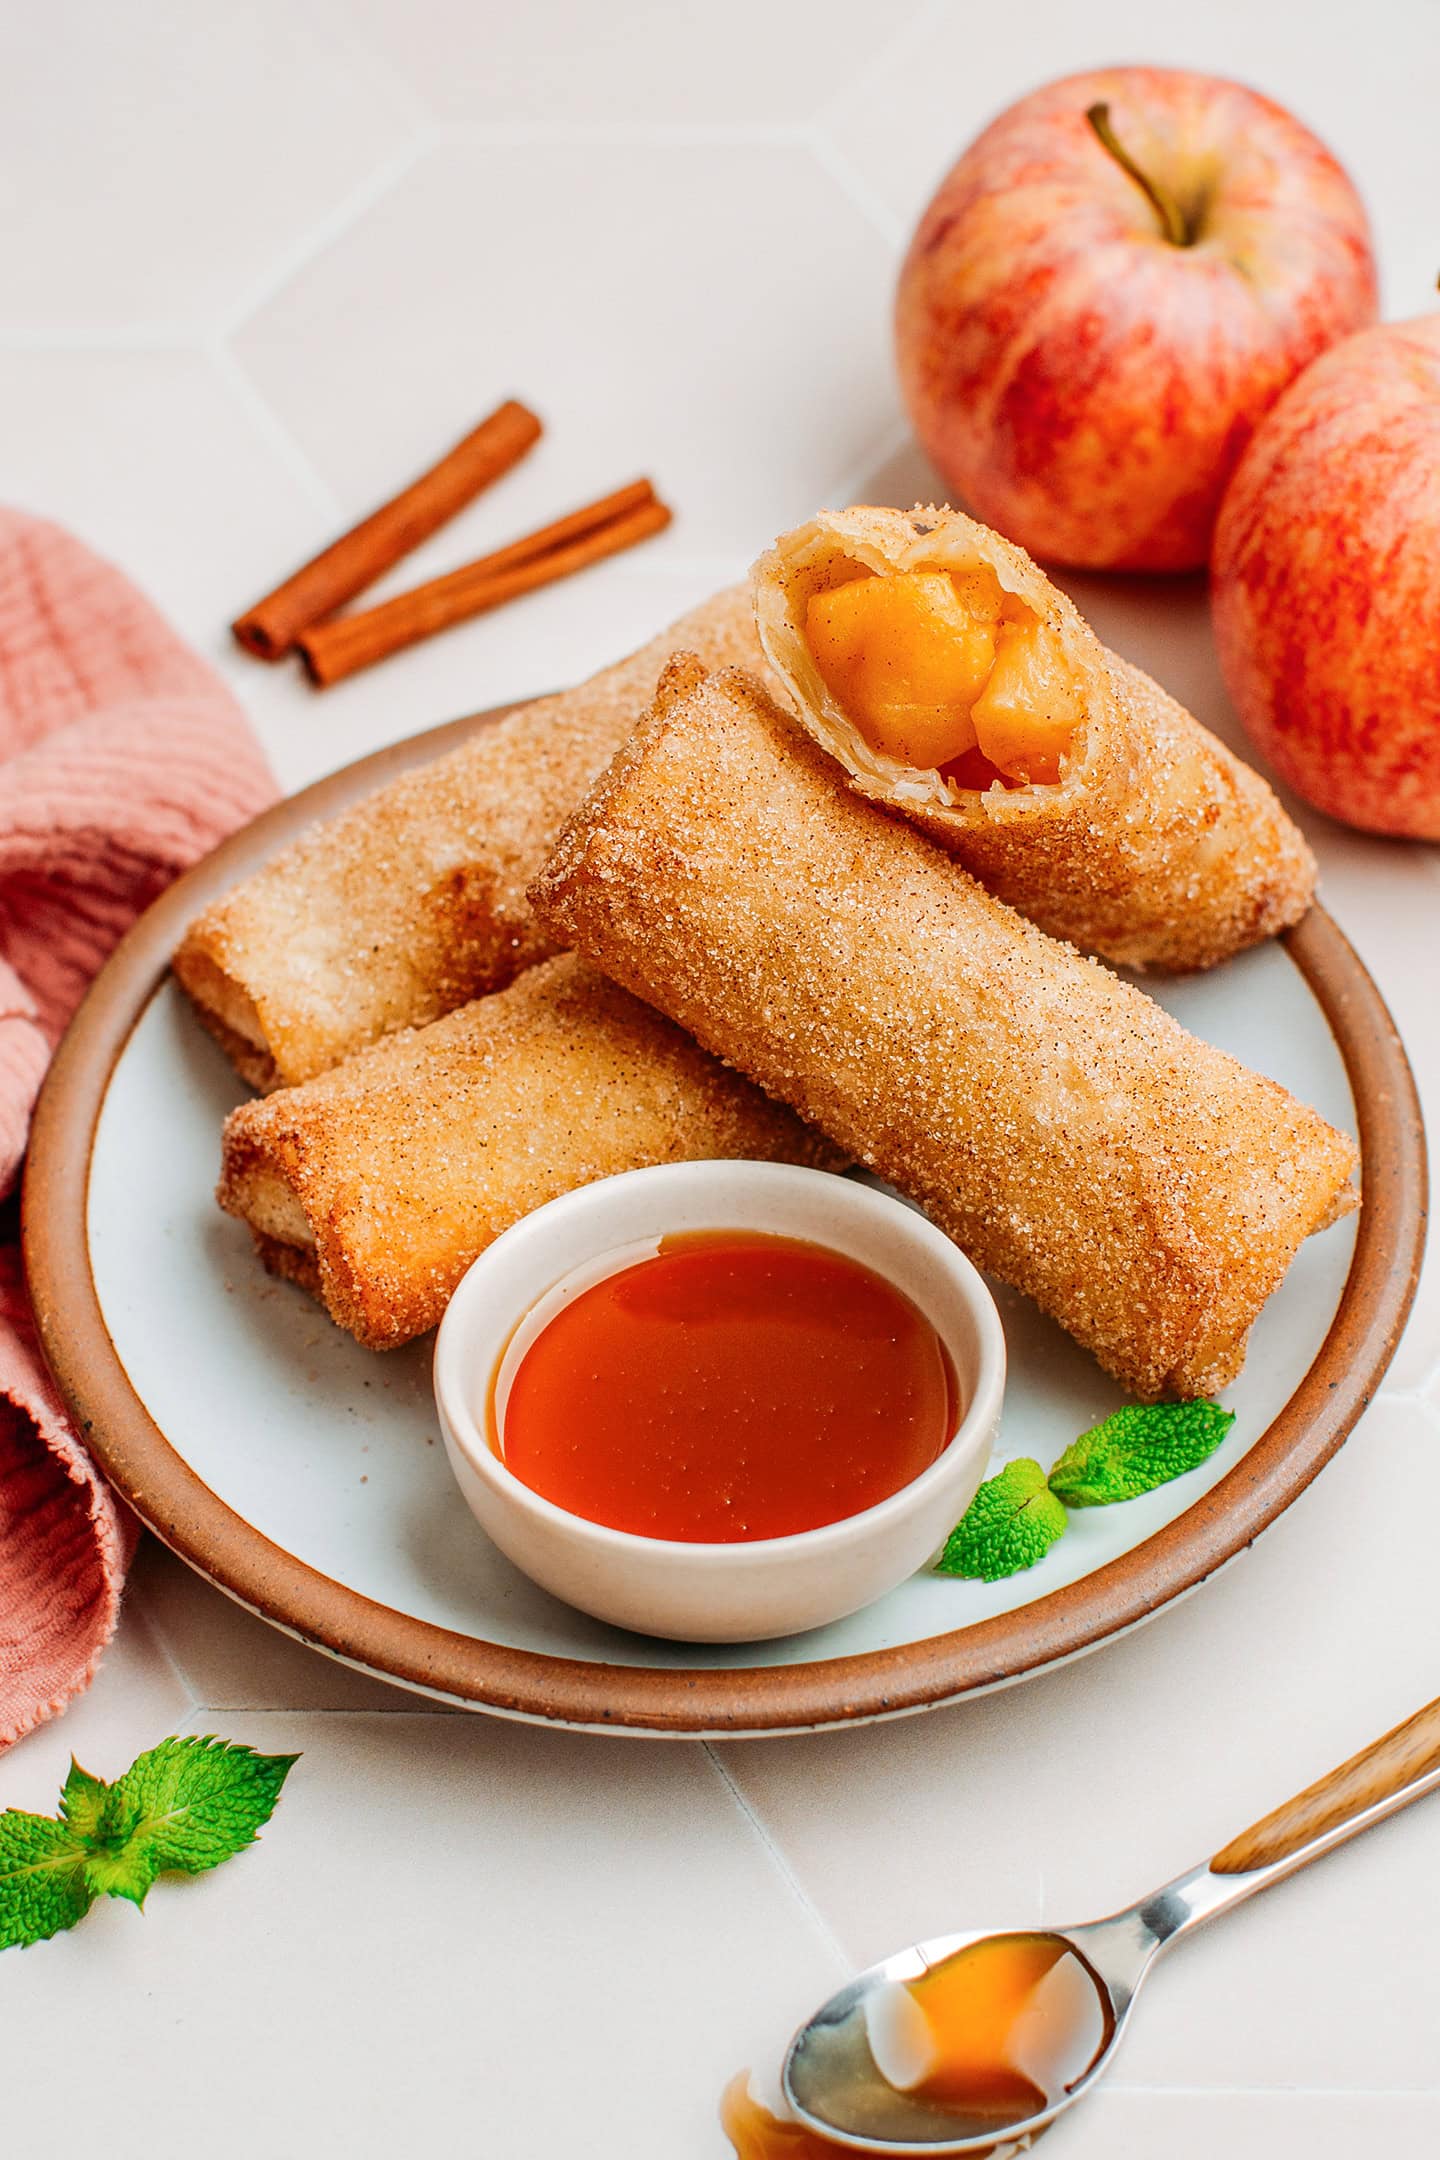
(836, 2087)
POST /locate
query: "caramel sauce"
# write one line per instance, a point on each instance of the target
(1008, 2024)
(734, 1386)
(975, 2046)
(757, 2134)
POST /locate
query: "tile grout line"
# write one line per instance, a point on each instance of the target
(1278, 2092)
(325, 232)
(265, 418)
(622, 134)
(811, 1910)
(893, 50)
(334, 22)
(165, 338)
(832, 161)
(139, 1617)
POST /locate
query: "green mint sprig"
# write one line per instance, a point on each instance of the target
(182, 1807)
(1011, 1523)
(1136, 1449)
(1017, 1515)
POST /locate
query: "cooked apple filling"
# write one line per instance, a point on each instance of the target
(943, 669)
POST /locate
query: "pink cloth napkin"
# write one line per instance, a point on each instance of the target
(123, 758)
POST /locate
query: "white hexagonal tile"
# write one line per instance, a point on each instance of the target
(169, 463)
(158, 160)
(454, 1935)
(1326, 1980)
(1067, 1797)
(645, 62)
(153, 458)
(712, 316)
(1119, 2123)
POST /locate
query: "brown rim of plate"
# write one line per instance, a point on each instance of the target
(167, 1495)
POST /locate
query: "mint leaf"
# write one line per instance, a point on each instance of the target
(1011, 1523)
(82, 1803)
(1136, 1449)
(182, 1808)
(42, 1878)
(120, 1870)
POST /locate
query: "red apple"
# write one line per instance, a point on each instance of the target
(1326, 591)
(1088, 335)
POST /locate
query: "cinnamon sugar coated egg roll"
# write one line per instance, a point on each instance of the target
(413, 902)
(954, 682)
(376, 1184)
(1143, 1187)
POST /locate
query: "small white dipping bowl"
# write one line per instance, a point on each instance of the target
(733, 1592)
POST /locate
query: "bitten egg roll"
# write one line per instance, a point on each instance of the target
(1141, 1186)
(413, 902)
(954, 682)
(377, 1183)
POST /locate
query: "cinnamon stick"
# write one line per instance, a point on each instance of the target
(604, 511)
(358, 557)
(335, 649)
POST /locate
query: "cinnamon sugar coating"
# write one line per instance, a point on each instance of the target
(1144, 1188)
(1157, 847)
(376, 1184)
(413, 902)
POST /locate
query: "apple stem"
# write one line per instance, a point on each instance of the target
(1172, 224)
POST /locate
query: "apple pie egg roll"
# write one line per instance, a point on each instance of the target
(413, 901)
(1144, 1188)
(955, 683)
(377, 1183)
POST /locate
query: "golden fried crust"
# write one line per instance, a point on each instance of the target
(1156, 848)
(251, 1060)
(295, 1262)
(376, 1184)
(413, 902)
(1142, 1187)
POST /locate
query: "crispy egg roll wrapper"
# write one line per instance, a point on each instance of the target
(376, 1184)
(1157, 847)
(1143, 1187)
(413, 901)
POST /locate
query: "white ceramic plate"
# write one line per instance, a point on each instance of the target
(324, 1500)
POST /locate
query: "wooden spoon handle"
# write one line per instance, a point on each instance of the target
(1377, 1773)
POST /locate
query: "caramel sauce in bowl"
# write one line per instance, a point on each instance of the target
(868, 1399)
(729, 1387)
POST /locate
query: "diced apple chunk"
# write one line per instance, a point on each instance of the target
(1026, 716)
(906, 657)
(943, 669)
(980, 594)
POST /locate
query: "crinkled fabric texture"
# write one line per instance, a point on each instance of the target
(123, 759)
